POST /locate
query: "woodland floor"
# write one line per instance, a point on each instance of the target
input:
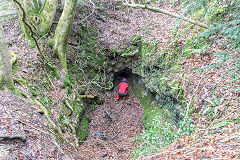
(117, 28)
(124, 125)
(19, 118)
(24, 134)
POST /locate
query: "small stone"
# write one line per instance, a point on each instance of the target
(179, 146)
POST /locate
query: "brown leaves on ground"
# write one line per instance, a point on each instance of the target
(19, 118)
(203, 145)
(126, 124)
(116, 29)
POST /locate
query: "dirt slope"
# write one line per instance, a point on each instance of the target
(34, 140)
(125, 124)
(206, 143)
(19, 118)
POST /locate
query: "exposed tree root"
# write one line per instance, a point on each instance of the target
(68, 105)
(43, 110)
(7, 137)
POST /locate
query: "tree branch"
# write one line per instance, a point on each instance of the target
(29, 27)
(87, 96)
(166, 12)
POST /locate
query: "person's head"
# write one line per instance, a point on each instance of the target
(124, 80)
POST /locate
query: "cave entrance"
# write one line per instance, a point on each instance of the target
(153, 103)
(118, 76)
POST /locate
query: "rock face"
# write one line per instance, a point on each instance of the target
(118, 64)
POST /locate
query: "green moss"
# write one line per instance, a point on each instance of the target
(45, 27)
(66, 81)
(90, 55)
(34, 90)
(2, 84)
(51, 42)
(130, 51)
(83, 128)
(25, 31)
(52, 70)
(14, 58)
(152, 108)
(63, 61)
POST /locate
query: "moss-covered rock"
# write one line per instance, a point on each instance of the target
(83, 128)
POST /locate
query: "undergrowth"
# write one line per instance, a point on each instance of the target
(224, 31)
(159, 70)
(160, 135)
(223, 17)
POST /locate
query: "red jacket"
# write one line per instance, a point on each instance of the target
(123, 87)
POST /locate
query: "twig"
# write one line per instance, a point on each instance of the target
(29, 27)
(25, 123)
(73, 44)
(68, 105)
(90, 14)
(236, 135)
(101, 86)
(87, 96)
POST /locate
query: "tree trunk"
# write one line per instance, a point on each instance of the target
(64, 26)
(40, 20)
(47, 15)
(5, 66)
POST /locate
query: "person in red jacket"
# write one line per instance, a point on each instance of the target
(122, 89)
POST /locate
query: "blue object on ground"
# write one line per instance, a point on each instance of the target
(100, 134)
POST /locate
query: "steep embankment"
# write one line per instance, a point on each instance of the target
(116, 27)
(24, 133)
(125, 123)
(214, 137)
